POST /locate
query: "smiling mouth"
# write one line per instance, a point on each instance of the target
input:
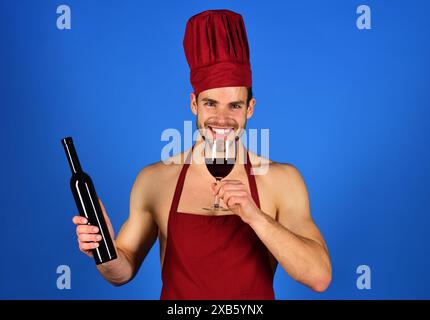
(220, 132)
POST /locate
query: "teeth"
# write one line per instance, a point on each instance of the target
(221, 131)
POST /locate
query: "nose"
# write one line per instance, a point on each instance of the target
(222, 121)
(223, 115)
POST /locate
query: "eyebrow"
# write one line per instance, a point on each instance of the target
(230, 103)
(237, 102)
(209, 100)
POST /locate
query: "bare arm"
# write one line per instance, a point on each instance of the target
(134, 240)
(294, 240)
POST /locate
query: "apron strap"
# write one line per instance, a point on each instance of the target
(181, 180)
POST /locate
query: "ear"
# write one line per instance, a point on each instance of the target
(250, 109)
(193, 103)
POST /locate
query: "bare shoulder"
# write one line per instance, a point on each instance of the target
(287, 186)
(286, 174)
(283, 179)
(157, 173)
(274, 171)
(155, 179)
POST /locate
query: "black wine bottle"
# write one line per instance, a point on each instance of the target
(88, 205)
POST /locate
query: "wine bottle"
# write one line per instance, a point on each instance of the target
(88, 204)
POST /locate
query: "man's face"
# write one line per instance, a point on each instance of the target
(222, 112)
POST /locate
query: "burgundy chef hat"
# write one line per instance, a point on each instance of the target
(217, 51)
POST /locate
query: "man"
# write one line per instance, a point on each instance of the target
(229, 254)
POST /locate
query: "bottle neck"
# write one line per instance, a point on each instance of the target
(71, 155)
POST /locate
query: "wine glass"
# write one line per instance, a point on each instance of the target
(220, 157)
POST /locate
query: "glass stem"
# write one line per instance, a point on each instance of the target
(216, 201)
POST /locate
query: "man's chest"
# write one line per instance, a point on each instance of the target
(196, 194)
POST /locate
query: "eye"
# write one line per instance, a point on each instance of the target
(236, 106)
(209, 104)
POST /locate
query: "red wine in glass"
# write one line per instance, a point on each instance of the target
(220, 163)
(219, 167)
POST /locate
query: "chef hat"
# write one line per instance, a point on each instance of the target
(217, 51)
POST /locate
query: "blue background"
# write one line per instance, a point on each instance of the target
(349, 108)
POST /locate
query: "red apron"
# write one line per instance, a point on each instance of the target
(214, 257)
